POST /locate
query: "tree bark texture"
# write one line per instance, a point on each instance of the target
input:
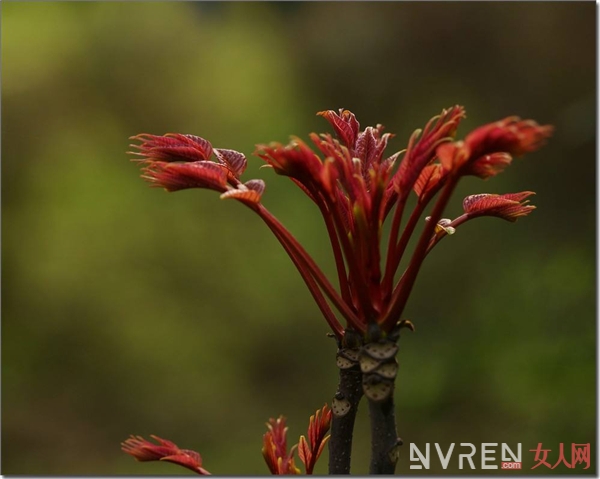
(345, 403)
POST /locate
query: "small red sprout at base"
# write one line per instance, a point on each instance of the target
(279, 460)
(309, 451)
(277, 457)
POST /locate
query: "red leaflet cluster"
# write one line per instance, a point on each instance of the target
(356, 185)
(309, 451)
(277, 457)
(176, 162)
(143, 450)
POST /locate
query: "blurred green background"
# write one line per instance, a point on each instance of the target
(129, 310)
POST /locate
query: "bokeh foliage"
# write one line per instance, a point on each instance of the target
(127, 310)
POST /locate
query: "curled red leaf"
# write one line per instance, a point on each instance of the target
(234, 160)
(249, 192)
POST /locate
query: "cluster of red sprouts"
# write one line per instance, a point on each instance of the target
(279, 459)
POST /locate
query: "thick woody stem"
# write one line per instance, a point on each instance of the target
(342, 427)
(384, 436)
(345, 405)
(379, 367)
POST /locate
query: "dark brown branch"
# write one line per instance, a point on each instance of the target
(345, 404)
(379, 367)
(385, 442)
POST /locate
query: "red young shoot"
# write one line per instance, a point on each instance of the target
(355, 184)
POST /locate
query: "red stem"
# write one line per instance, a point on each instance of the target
(408, 278)
(404, 239)
(392, 260)
(409, 230)
(337, 252)
(298, 253)
(357, 280)
(454, 224)
(328, 314)
(375, 251)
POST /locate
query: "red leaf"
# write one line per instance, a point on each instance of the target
(304, 452)
(143, 450)
(453, 155)
(318, 426)
(428, 179)
(511, 135)
(295, 160)
(250, 192)
(233, 160)
(321, 447)
(256, 185)
(179, 176)
(274, 450)
(366, 146)
(172, 147)
(269, 452)
(509, 206)
(489, 165)
(345, 125)
(422, 147)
